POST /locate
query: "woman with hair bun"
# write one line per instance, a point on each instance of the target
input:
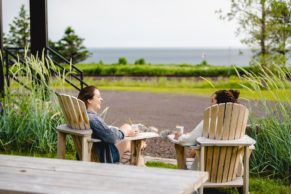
(220, 96)
(189, 139)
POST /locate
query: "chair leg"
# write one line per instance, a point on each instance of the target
(85, 149)
(201, 165)
(180, 154)
(246, 171)
(61, 149)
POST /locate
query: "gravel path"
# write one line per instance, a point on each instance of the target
(163, 111)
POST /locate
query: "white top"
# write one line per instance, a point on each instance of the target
(189, 139)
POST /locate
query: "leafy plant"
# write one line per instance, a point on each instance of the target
(140, 61)
(272, 156)
(28, 122)
(71, 47)
(122, 61)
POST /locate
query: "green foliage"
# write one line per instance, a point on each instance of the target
(122, 61)
(266, 25)
(19, 31)
(71, 47)
(140, 61)
(160, 165)
(28, 123)
(204, 62)
(183, 70)
(272, 156)
(281, 27)
(268, 186)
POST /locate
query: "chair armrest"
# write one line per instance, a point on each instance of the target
(94, 140)
(244, 141)
(142, 135)
(195, 147)
(171, 139)
(66, 129)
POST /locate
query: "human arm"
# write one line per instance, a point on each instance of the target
(190, 138)
(102, 131)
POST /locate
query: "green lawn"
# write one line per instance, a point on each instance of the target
(258, 185)
(188, 86)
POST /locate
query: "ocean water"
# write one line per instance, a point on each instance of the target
(240, 57)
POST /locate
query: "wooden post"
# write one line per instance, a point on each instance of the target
(61, 149)
(39, 32)
(133, 154)
(246, 171)
(2, 91)
(85, 149)
(38, 26)
(180, 154)
(138, 153)
(202, 154)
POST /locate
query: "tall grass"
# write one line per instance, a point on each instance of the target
(28, 123)
(272, 156)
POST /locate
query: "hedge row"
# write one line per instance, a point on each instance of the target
(158, 70)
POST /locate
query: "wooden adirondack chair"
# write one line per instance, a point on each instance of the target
(77, 125)
(222, 145)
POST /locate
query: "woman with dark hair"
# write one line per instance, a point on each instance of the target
(188, 139)
(220, 96)
(110, 149)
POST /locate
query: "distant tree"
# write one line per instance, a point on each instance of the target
(122, 61)
(257, 19)
(70, 46)
(140, 61)
(281, 28)
(19, 31)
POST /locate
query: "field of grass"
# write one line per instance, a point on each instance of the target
(189, 86)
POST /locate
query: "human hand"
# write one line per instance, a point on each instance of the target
(177, 135)
(129, 131)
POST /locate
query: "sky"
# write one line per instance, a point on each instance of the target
(137, 23)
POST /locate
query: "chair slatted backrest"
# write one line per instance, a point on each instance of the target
(76, 118)
(74, 111)
(226, 121)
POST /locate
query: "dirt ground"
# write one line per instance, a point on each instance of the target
(163, 111)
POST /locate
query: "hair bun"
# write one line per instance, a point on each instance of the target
(235, 93)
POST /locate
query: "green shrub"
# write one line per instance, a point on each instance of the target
(183, 70)
(272, 156)
(28, 122)
(122, 61)
(140, 61)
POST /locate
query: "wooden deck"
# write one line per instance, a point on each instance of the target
(41, 175)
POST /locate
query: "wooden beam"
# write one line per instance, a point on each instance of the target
(2, 91)
(38, 26)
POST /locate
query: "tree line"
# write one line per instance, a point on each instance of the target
(69, 46)
(266, 26)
